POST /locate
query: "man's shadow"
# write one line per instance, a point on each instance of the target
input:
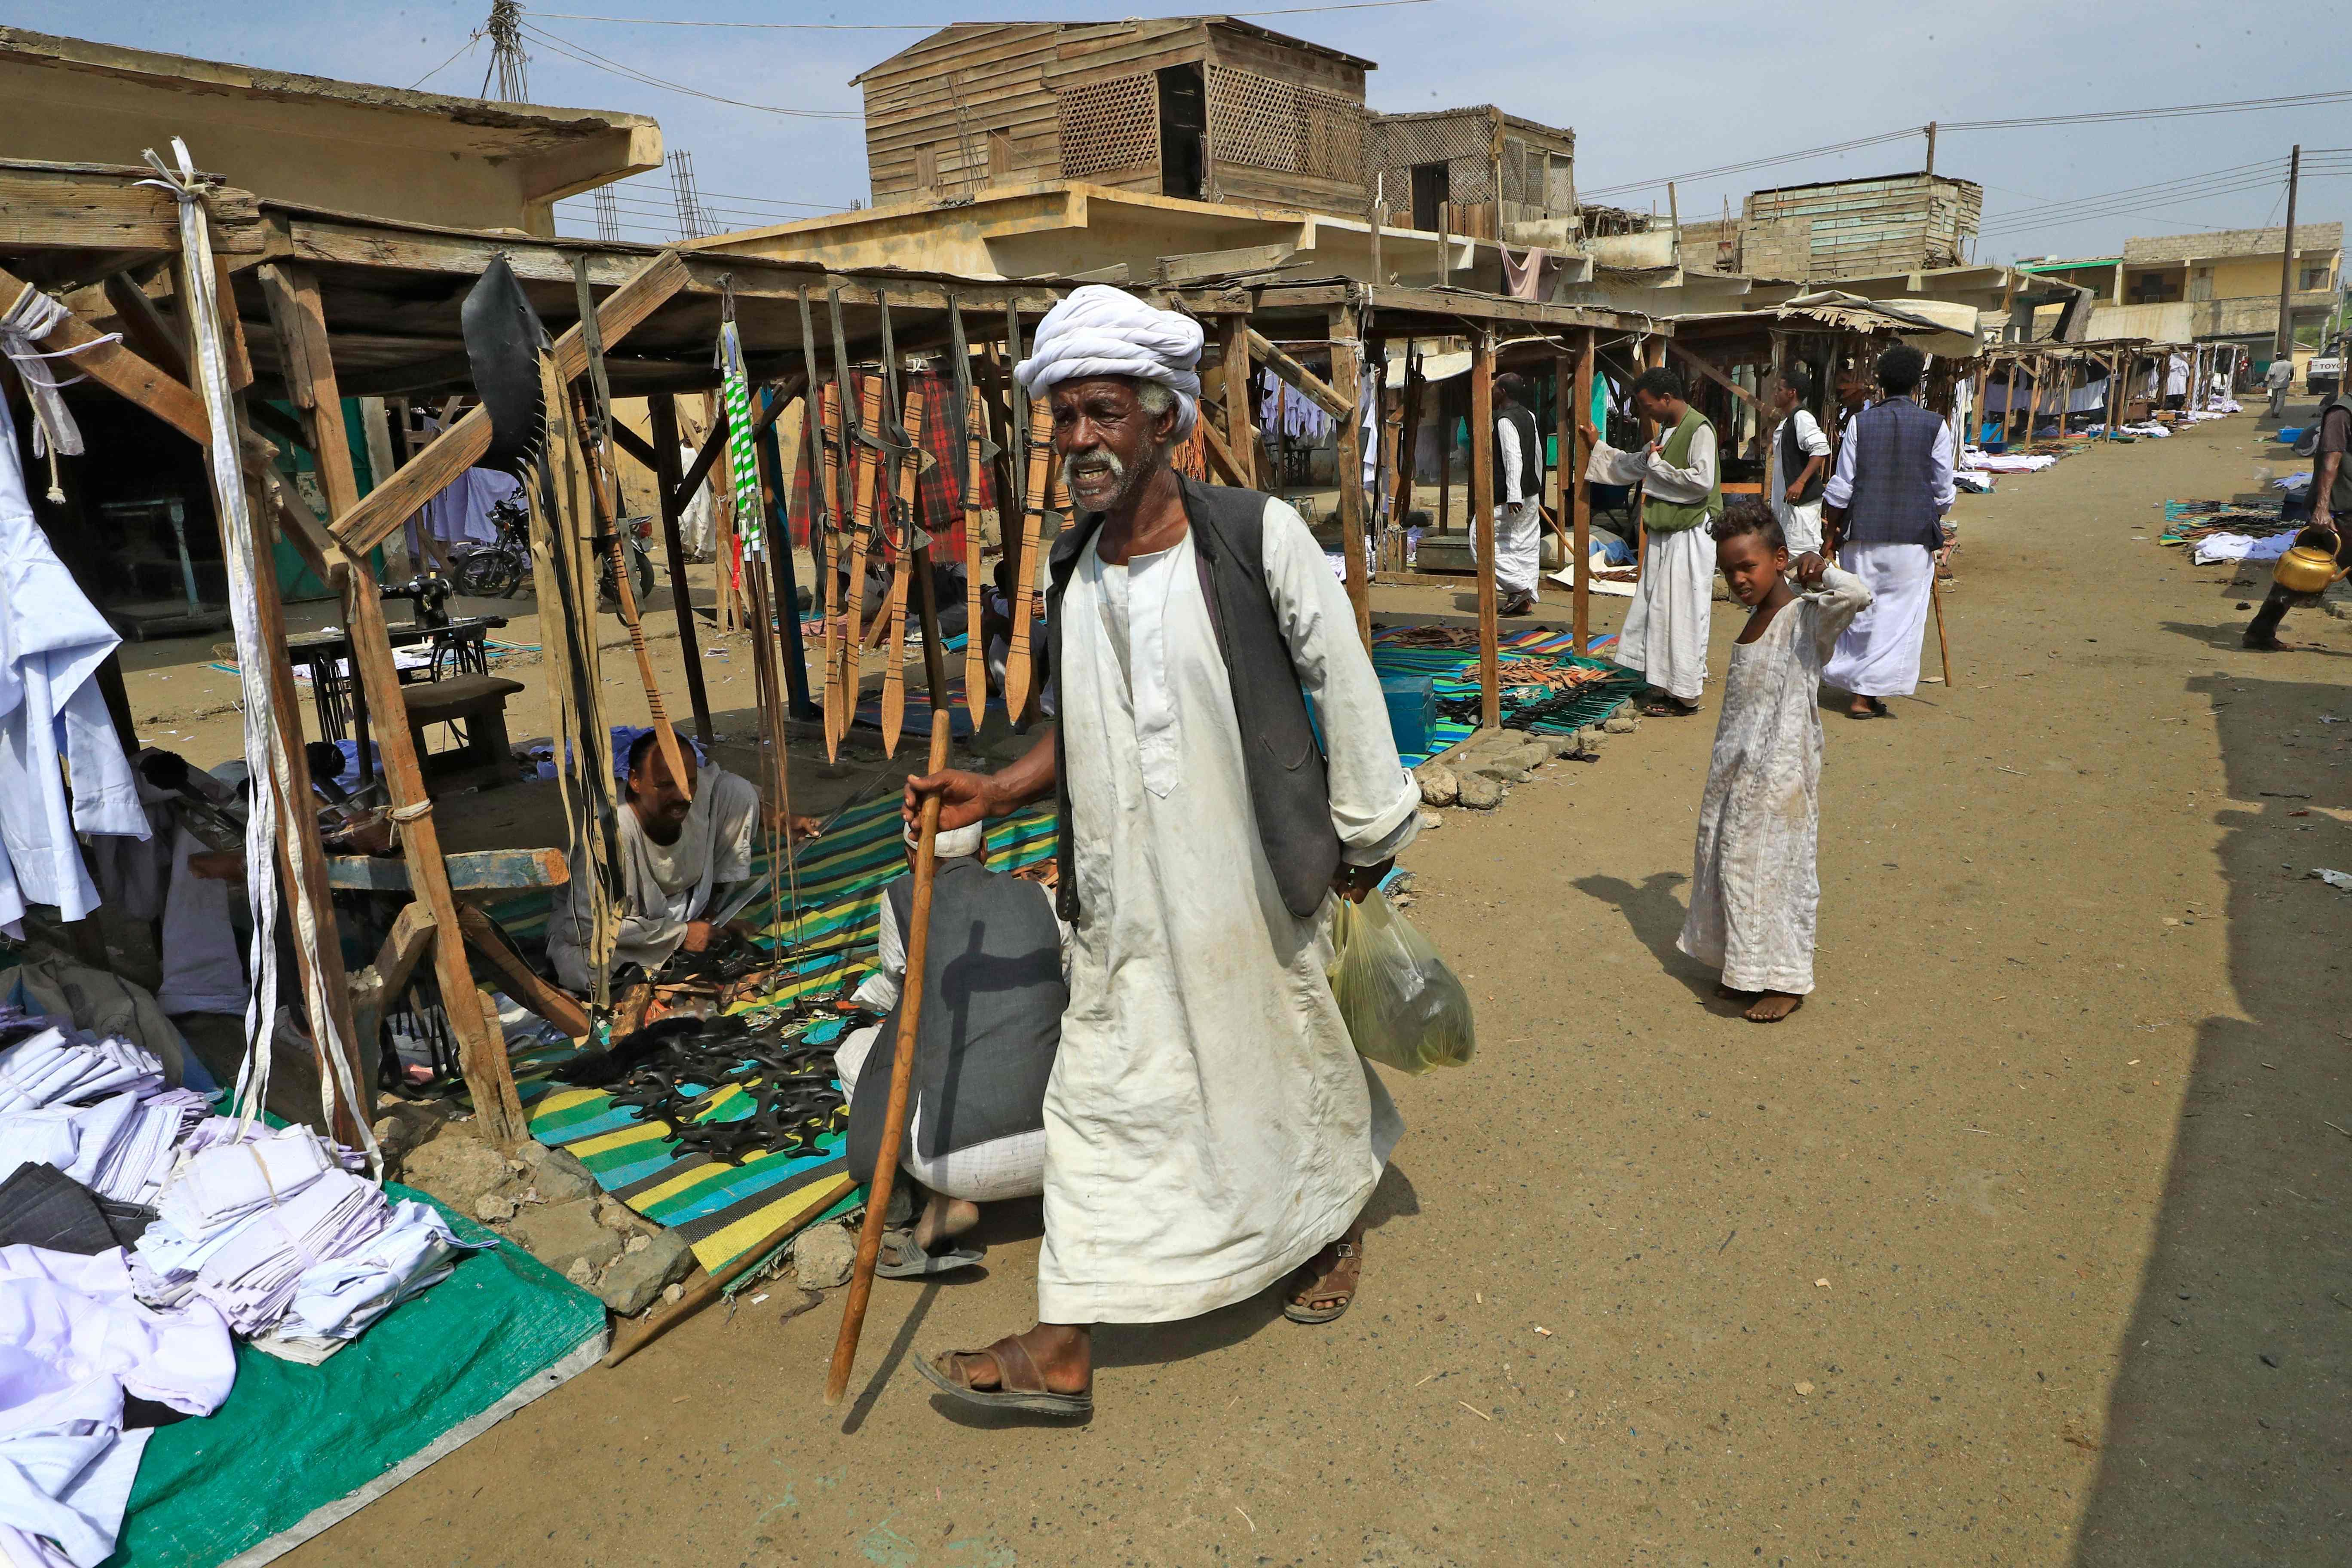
(1655, 917)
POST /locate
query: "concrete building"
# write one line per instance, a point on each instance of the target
(385, 151)
(2216, 287)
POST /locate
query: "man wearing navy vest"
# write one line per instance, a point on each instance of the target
(1210, 1129)
(1883, 517)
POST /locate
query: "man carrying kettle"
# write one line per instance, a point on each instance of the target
(2331, 509)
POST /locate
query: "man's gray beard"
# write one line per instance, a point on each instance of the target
(1130, 478)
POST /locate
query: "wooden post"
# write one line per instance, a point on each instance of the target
(1346, 362)
(1571, 477)
(1654, 354)
(1408, 442)
(1241, 433)
(2009, 402)
(1482, 521)
(1444, 458)
(775, 493)
(294, 303)
(663, 422)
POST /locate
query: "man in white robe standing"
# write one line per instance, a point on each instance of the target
(1210, 1129)
(1883, 512)
(1800, 453)
(1518, 498)
(1664, 636)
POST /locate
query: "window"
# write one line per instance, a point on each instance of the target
(2313, 279)
(1183, 132)
(927, 168)
(1000, 155)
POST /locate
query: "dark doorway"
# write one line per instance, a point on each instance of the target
(1432, 188)
(1183, 132)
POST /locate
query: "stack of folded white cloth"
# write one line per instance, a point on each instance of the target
(54, 1067)
(270, 1230)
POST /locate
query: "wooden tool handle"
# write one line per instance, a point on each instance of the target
(1018, 661)
(902, 1071)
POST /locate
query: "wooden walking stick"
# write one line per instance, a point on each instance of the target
(1937, 599)
(1017, 662)
(902, 1070)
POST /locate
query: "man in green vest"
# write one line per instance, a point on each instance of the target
(1664, 636)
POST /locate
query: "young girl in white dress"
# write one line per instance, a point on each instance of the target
(1754, 889)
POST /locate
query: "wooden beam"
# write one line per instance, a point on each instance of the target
(1347, 359)
(119, 370)
(516, 978)
(143, 326)
(1571, 473)
(107, 208)
(714, 445)
(1482, 524)
(1310, 385)
(1241, 433)
(472, 871)
(672, 496)
(635, 444)
(371, 521)
(294, 304)
(1714, 375)
(1221, 455)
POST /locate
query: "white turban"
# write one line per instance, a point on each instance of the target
(953, 842)
(1101, 330)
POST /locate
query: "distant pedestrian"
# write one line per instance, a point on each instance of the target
(1799, 463)
(2331, 506)
(1664, 636)
(1518, 464)
(1755, 886)
(1884, 516)
(2277, 379)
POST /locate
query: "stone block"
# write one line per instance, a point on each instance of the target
(561, 1234)
(457, 1168)
(561, 1177)
(1480, 792)
(823, 1256)
(1438, 784)
(652, 1263)
(1621, 724)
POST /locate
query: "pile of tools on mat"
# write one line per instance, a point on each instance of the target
(769, 1094)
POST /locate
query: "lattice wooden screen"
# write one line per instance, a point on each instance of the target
(1108, 125)
(1264, 123)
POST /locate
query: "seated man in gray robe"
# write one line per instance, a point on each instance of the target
(994, 984)
(681, 860)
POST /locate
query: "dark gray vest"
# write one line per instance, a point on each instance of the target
(1290, 794)
(1530, 456)
(1793, 459)
(1894, 476)
(992, 1001)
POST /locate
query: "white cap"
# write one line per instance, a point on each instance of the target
(953, 842)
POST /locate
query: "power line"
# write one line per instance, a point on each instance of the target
(595, 61)
(471, 40)
(1755, 163)
(935, 27)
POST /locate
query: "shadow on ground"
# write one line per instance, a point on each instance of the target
(2229, 1432)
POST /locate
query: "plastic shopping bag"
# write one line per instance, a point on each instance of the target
(1403, 1007)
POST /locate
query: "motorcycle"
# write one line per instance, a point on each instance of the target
(499, 569)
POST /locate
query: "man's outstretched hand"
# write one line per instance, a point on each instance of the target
(963, 798)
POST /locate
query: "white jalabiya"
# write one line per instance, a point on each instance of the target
(1799, 525)
(1518, 522)
(1754, 886)
(1664, 635)
(1209, 1127)
(1879, 654)
(663, 887)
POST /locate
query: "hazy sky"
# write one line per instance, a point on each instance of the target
(1725, 84)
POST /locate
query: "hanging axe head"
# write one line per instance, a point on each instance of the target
(503, 341)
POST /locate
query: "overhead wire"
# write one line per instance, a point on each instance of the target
(472, 40)
(935, 27)
(590, 58)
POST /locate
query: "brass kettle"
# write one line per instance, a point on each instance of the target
(2309, 566)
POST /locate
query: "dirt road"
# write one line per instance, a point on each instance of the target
(2022, 1243)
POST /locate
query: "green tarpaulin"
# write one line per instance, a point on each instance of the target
(296, 1448)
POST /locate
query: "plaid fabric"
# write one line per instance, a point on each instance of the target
(938, 492)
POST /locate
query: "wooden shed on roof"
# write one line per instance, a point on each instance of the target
(1209, 108)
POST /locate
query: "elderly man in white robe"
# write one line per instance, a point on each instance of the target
(1664, 636)
(684, 847)
(1210, 1131)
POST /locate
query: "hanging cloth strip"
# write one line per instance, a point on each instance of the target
(268, 755)
(33, 317)
(742, 460)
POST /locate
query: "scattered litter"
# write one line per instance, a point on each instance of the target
(2340, 880)
(1822, 1284)
(1473, 1410)
(760, 1298)
(1544, 1331)
(1245, 1518)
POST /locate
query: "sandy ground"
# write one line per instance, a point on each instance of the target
(2022, 1243)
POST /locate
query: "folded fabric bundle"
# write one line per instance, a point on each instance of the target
(2216, 547)
(73, 1342)
(339, 1297)
(251, 1279)
(54, 1067)
(126, 1150)
(230, 1179)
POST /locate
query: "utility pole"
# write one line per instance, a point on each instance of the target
(692, 222)
(2285, 348)
(1931, 149)
(509, 66)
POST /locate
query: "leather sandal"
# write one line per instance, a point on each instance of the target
(1020, 1386)
(1344, 1257)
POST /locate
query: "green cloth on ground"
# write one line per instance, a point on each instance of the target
(293, 1439)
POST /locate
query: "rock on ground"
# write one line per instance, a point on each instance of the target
(559, 1176)
(631, 1281)
(1438, 784)
(456, 1167)
(561, 1234)
(1480, 792)
(823, 1256)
